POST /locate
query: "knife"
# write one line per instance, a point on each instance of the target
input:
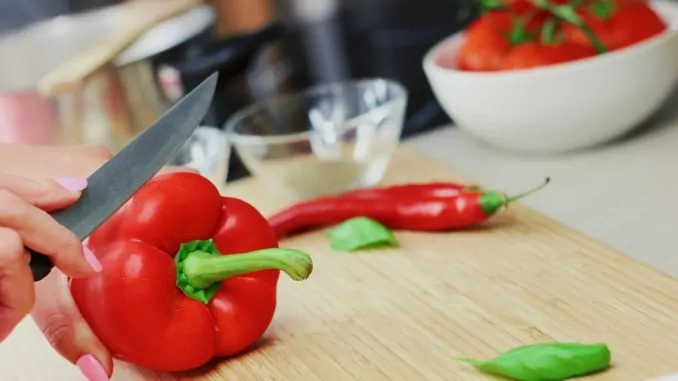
(116, 181)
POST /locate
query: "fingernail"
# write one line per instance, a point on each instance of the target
(91, 259)
(72, 183)
(91, 368)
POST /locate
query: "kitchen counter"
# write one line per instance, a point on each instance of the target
(624, 194)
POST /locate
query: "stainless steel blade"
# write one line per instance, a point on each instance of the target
(116, 181)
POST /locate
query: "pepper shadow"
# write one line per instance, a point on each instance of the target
(471, 370)
(206, 370)
(494, 223)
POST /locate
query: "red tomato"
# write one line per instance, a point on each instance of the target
(504, 21)
(619, 4)
(629, 25)
(490, 37)
(496, 21)
(483, 50)
(531, 55)
(511, 3)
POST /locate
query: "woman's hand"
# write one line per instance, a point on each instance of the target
(54, 311)
(24, 222)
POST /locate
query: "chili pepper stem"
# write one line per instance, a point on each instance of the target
(534, 190)
(492, 201)
(201, 268)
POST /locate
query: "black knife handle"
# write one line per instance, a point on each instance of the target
(41, 265)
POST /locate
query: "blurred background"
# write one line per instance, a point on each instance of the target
(325, 40)
(289, 111)
(300, 43)
(314, 51)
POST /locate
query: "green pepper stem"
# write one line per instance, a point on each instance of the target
(536, 189)
(492, 201)
(203, 270)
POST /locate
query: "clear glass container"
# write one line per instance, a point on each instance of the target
(323, 140)
(208, 151)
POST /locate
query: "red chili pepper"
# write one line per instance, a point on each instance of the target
(423, 190)
(468, 208)
(178, 313)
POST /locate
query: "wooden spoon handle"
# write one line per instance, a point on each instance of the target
(140, 16)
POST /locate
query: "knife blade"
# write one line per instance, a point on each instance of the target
(116, 181)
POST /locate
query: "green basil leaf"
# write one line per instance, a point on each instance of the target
(546, 362)
(360, 233)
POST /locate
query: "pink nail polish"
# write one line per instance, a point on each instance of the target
(92, 259)
(73, 183)
(91, 368)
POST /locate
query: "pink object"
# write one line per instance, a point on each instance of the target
(91, 259)
(448, 58)
(91, 368)
(73, 183)
(26, 118)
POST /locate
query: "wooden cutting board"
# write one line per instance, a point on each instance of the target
(404, 314)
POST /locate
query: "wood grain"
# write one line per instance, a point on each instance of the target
(404, 314)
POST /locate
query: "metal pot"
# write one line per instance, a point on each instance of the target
(111, 107)
(121, 100)
(244, 63)
(250, 68)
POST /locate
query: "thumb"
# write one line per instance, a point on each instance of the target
(58, 318)
(45, 194)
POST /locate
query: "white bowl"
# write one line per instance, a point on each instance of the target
(562, 107)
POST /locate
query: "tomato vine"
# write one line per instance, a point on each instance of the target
(568, 13)
(559, 13)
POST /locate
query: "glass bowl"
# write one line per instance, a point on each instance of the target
(207, 151)
(323, 140)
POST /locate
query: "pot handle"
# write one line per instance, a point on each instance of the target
(230, 57)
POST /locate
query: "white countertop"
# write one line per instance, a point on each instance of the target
(624, 193)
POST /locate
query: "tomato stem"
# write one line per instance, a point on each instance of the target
(568, 14)
(201, 268)
(548, 31)
(603, 9)
(518, 33)
(491, 5)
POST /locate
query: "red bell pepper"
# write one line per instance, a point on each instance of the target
(178, 313)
